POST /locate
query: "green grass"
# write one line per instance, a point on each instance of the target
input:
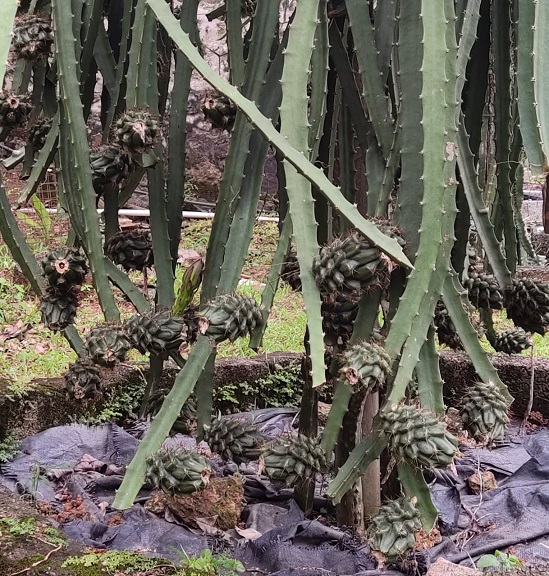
(40, 353)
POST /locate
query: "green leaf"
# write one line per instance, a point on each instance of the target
(488, 561)
(43, 215)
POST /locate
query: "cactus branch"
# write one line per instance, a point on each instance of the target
(541, 74)
(264, 125)
(363, 454)
(454, 298)
(8, 9)
(74, 155)
(182, 388)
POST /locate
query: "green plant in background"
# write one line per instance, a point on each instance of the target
(397, 96)
(9, 447)
(209, 565)
(24, 527)
(113, 561)
(499, 561)
(129, 562)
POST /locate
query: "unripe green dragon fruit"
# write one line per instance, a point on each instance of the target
(38, 132)
(234, 440)
(527, 304)
(290, 459)
(185, 422)
(392, 531)
(32, 37)
(348, 265)
(107, 343)
(14, 109)
(177, 471)
(338, 316)
(131, 249)
(137, 130)
(64, 268)
(109, 165)
(82, 380)
(484, 412)
(483, 290)
(156, 332)
(512, 341)
(58, 308)
(446, 330)
(365, 366)
(229, 316)
(220, 111)
(417, 436)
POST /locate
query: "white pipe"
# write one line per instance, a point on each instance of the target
(147, 213)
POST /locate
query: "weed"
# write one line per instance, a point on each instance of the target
(209, 565)
(499, 561)
(54, 536)
(119, 405)
(24, 527)
(128, 562)
(9, 447)
(42, 222)
(113, 561)
(281, 388)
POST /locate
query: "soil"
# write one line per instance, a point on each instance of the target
(35, 554)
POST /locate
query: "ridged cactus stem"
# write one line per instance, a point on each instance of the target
(454, 297)
(479, 210)
(264, 125)
(140, 76)
(438, 150)
(8, 9)
(74, 155)
(488, 322)
(340, 405)
(264, 86)
(385, 26)
(373, 89)
(160, 239)
(364, 453)
(42, 163)
(117, 103)
(273, 280)
(467, 26)
(38, 81)
(294, 125)
(318, 79)
(501, 19)
(408, 85)
(233, 21)
(340, 59)
(518, 198)
(428, 376)
(122, 281)
(540, 55)
(380, 208)
(178, 132)
(527, 104)
(160, 428)
(92, 19)
(414, 486)
(110, 199)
